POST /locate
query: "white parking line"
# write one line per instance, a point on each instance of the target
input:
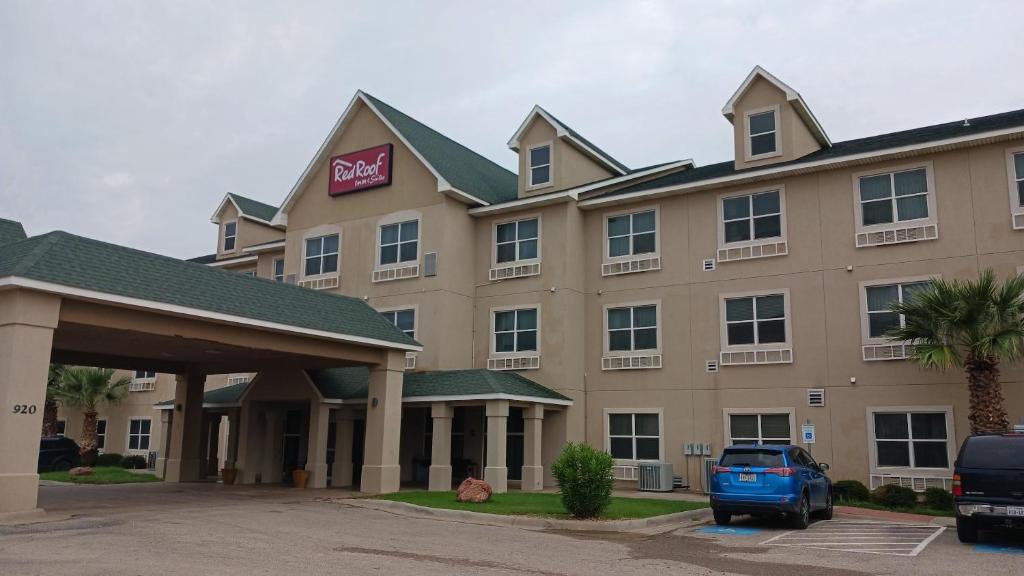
(864, 537)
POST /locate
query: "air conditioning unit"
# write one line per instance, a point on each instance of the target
(655, 477)
(705, 479)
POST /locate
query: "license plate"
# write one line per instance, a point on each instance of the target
(748, 477)
(1015, 510)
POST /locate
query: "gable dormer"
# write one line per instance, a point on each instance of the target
(771, 122)
(554, 157)
(243, 222)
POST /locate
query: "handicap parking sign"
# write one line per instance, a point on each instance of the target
(808, 433)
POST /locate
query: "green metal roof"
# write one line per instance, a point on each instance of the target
(253, 208)
(11, 231)
(461, 167)
(77, 262)
(353, 383)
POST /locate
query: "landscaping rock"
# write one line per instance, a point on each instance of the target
(80, 471)
(473, 490)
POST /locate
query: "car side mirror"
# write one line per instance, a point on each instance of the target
(823, 467)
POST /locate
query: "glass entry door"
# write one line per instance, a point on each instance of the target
(291, 452)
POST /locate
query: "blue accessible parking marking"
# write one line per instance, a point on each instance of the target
(997, 549)
(729, 531)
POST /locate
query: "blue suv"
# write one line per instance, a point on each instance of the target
(764, 480)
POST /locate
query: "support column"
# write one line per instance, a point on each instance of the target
(249, 444)
(316, 453)
(185, 463)
(27, 322)
(341, 475)
(231, 450)
(441, 414)
(165, 441)
(271, 457)
(381, 470)
(533, 468)
(496, 472)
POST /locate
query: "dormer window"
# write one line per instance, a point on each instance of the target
(230, 234)
(540, 165)
(762, 133)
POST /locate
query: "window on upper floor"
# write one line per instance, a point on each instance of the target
(278, 270)
(1015, 158)
(752, 217)
(230, 235)
(632, 234)
(633, 328)
(879, 299)
(894, 197)
(517, 241)
(399, 243)
(145, 374)
(321, 255)
(912, 438)
(634, 435)
(540, 165)
(755, 320)
(515, 331)
(762, 133)
(404, 320)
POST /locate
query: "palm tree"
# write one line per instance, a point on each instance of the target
(971, 325)
(53, 380)
(86, 389)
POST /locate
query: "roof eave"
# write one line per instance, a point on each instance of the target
(792, 96)
(562, 132)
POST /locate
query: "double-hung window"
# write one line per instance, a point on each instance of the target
(230, 235)
(515, 331)
(632, 234)
(101, 434)
(399, 243)
(894, 197)
(762, 428)
(752, 218)
(633, 328)
(321, 255)
(404, 320)
(1015, 157)
(540, 165)
(634, 436)
(517, 241)
(762, 133)
(278, 269)
(911, 438)
(61, 427)
(138, 434)
(756, 320)
(878, 303)
(145, 374)
(1018, 177)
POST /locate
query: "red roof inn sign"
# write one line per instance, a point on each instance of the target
(362, 170)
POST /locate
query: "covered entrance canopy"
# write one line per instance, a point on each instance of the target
(73, 300)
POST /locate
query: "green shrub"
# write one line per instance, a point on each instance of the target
(109, 459)
(938, 499)
(134, 462)
(893, 496)
(850, 491)
(584, 477)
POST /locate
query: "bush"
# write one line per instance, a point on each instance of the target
(134, 462)
(938, 499)
(850, 491)
(584, 477)
(893, 496)
(109, 459)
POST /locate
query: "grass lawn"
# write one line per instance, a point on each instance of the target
(915, 510)
(543, 504)
(101, 475)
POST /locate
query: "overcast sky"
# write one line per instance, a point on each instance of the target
(128, 121)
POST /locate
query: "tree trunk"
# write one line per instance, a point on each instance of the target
(988, 412)
(87, 446)
(50, 417)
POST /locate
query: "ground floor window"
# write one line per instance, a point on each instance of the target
(634, 436)
(61, 427)
(760, 429)
(138, 434)
(911, 439)
(101, 434)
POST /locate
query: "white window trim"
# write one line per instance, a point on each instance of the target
(530, 184)
(1016, 210)
(525, 353)
(657, 234)
(318, 232)
(224, 237)
(932, 218)
(902, 470)
(728, 412)
(661, 433)
(517, 261)
(128, 436)
(722, 244)
(273, 264)
(415, 315)
(643, 352)
(865, 331)
(724, 335)
(748, 156)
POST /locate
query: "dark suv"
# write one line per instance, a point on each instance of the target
(57, 453)
(988, 484)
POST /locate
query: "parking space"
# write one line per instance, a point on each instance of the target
(887, 538)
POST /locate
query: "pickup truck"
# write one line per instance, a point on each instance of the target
(988, 484)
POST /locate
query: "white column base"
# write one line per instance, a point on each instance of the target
(440, 478)
(533, 479)
(380, 479)
(497, 477)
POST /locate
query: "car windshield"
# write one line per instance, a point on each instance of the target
(999, 452)
(753, 457)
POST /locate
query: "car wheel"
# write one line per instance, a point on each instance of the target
(61, 466)
(721, 518)
(826, 512)
(801, 519)
(967, 530)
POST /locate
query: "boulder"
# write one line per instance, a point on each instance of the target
(80, 471)
(473, 490)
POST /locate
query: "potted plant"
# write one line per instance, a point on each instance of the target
(300, 477)
(228, 475)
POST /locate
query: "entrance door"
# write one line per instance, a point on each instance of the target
(291, 452)
(514, 444)
(358, 444)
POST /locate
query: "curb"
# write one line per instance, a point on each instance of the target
(900, 517)
(527, 522)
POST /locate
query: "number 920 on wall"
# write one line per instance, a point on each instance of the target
(25, 409)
